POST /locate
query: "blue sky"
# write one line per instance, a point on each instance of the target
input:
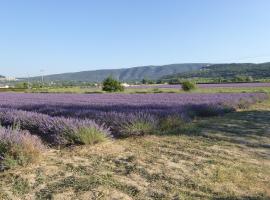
(74, 35)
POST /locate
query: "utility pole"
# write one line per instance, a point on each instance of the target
(28, 81)
(42, 76)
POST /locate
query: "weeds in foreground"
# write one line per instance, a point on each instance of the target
(89, 136)
(138, 127)
(18, 148)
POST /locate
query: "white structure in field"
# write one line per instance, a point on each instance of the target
(125, 84)
(4, 86)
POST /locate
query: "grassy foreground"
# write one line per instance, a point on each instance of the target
(221, 158)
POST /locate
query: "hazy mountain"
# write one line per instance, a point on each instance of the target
(226, 71)
(125, 74)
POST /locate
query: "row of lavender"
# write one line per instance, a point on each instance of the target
(62, 119)
(52, 130)
(120, 102)
(204, 85)
(98, 106)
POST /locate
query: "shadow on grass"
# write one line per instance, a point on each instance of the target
(241, 198)
(246, 127)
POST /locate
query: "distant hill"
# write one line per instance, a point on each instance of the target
(227, 71)
(1, 76)
(125, 74)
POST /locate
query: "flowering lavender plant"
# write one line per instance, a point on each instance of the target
(53, 130)
(18, 147)
(62, 119)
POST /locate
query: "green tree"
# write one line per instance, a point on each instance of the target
(21, 85)
(188, 85)
(144, 81)
(249, 79)
(112, 85)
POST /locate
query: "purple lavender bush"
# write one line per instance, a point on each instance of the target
(53, 130)
(18, 148)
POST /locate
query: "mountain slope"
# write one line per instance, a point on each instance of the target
(125, 74)
(227, 71)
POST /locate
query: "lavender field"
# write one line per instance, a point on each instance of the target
(120, 102)
(56, 133)
(58, 118)
(202, 85)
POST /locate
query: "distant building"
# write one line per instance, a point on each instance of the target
(8, 79)
(4, 86)
(125, 84)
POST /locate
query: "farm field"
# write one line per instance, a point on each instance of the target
(154, 88)
(136, 146)
(164, 88)
(219, 158)
(122, 114)
(209, 85)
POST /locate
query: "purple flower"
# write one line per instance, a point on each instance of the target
(57, 117)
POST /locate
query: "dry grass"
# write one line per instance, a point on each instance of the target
(225, 159)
